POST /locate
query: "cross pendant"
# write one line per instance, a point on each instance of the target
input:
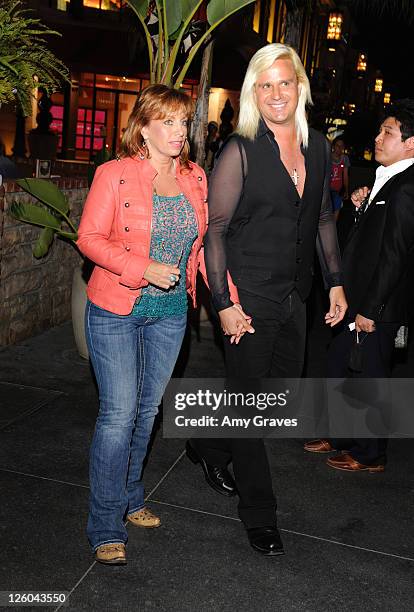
(295, 177)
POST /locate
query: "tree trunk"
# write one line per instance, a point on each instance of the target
(199, 124)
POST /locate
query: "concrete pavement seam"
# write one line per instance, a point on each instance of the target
(305, 535)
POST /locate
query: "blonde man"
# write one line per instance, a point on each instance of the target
(269, 206)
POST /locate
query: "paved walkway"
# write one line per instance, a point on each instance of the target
(348, 537)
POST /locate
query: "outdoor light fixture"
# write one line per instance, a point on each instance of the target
(334, 26)
(362, 62)
(378, 85)
(387, 98)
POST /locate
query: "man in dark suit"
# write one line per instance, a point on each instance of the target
(378, 267)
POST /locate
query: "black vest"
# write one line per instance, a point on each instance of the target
(272, 235)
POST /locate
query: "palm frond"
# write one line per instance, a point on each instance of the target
(25, 61)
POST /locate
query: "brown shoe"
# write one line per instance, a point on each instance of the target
(349, 464)
(144, 518)
(111, 554)
(319, 446)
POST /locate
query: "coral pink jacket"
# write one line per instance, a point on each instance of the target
(115, 230)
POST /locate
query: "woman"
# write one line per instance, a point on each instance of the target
(339, 184)
(143, 225)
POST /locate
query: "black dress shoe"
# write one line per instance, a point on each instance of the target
(219, 478)
(266, 540)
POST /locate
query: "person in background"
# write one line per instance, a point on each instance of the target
(378, 264)
(224, 132)
(210, 145)
(8, 169)
(339, 175)
(143, 226)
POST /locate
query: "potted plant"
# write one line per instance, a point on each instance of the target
(52, 214)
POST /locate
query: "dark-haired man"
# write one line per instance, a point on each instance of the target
(378, 266)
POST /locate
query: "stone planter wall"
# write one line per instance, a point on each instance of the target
(35, 293)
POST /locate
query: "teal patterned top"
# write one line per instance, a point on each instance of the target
(174, 229)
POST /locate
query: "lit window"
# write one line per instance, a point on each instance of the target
(378, 85)
(104, 5)
(387, 98)
(334, 26)
(61, 5)
(84, 129)
(57, 123)
(362, 62)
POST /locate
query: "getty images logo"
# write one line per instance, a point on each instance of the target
(214, 401)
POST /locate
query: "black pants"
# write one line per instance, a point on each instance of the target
(377, 350)
(276, 349)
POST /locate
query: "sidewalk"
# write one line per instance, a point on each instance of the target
(348, 537)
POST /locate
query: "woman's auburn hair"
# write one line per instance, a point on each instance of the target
(154, 102)
(262, 60)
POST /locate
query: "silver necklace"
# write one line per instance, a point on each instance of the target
(295, 177)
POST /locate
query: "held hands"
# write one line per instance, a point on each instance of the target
(162, 275)
(364, 324)
(338, 306)
(359, 195)
(235, 323)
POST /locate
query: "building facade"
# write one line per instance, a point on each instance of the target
(102, 44)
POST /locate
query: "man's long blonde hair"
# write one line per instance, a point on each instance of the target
(262, 60)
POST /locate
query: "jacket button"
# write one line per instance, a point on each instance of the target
(127, 229)
(299, 241)
(126, 204)
(127, 248)
(200, 178)
(122, 181)
(297, 203)
(296, 278)
(298, 260)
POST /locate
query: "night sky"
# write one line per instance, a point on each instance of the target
(389, 43)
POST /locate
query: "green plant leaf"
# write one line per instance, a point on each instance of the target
(173, 14)
(44, 242)
(219, 10)
(73, 236)
(5, 62)
(35, 215)
(46, 192)
(26, 63)
(187, 8)
(140, 7)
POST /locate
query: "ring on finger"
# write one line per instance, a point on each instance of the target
(173, 278)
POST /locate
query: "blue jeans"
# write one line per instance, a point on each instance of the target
(133, 359)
